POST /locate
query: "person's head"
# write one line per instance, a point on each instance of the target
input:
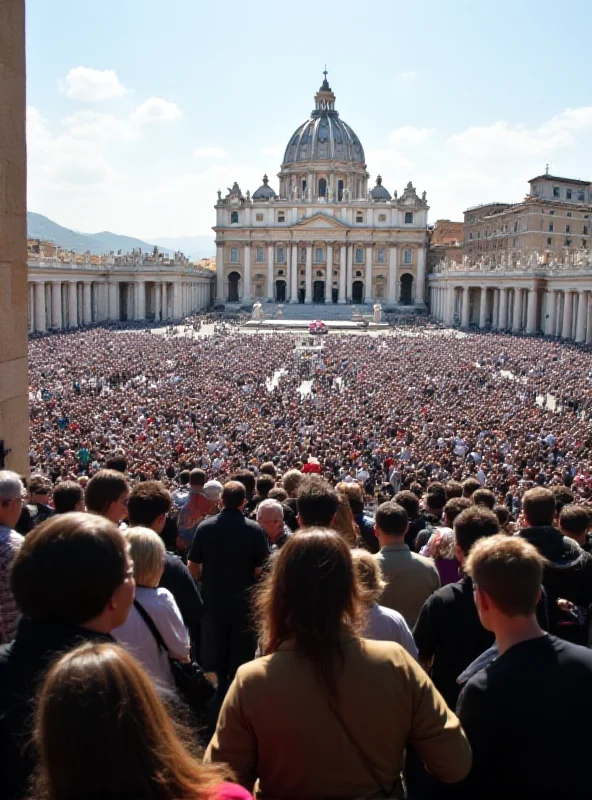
(117, 463)
(311, 598)
(435, 498)
(281, 495)
(574, 522)
(107, 494)
(369, 575)
(453, 489)
(184, 477)
(39, 490)
(234, 496)
(149, 503)
(409, 501)
(472, 524)
(264, 485)
(268, 468)
(68, 496)
(507, 573)
(317, 503)
(270, 515)
(343, 521)
(11, 498)
(213, 491)
(197, 479)
(98, 695)
(148, 554)
(247, 478)
(484, 497)
(503, 514)
(291, 481)
(453, 508)
(74, 569)
(538, 507)
(470, 486)
(563, 496)
(391, 522)
(354, 494)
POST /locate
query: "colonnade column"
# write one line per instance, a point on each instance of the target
(86, 299)
(31, 289)
(56, 305)
(567, 315)
(72, 304)
(551, 311)
(420, 282)
(342, 273)
(368, 283)
(517, 311)
(531, 311)
(503, 309)
(329, 283)
(392, 279)
(349, 273)
(220, 298)
(589, 319)
(465, 318)
(483, 307)
(157, 301)
(308, 276)
(294, 274)
(247, 274)
(40, 316)
(270, 292)
(449, 294)
(495, 315)
(582, 316)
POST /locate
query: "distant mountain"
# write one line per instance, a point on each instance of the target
(194, 247)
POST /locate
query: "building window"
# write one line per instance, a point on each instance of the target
(471, 235)
(585, 230)
(281, 216)
(259, 254)
(549, 241)
(359, 216)
(550, 227)
(556, 191)
(406, 256)
(568, 214)
(583, 243)
(552, 213)
(382, 217)
(515, 227)
(568, 242)
(408, 217)
(380, 256)
(280, 255)
(280, 272)
(234, 217)
(319, 254)
(581, 196)
(359, 255)
(303, 253)
(322, 187)
(514, 242)
(568, 228)
(234, 255)
(568, 194)
(259, 217)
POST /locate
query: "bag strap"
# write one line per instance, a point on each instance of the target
(152, 627)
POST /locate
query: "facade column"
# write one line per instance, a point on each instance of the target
(392, 279)
(449, 294)
(56, 305)
(157, 301)
(247, 274)
(86, 300)
(517, 311)
(582, 316)
(177, 300)
(308, 276)
(113, 300)
(483, 308)
(531, 311)
(567, 315)
(349, 273)
(329, 283)
(220, 296)
(72, 305)
(270, 287)
(294, 274)
(589, 319)
(465, 318)
(495, 316)
(40, 320)
(342, 273)
(551, 313)
(503, 309)
(368, 282)
(420, 283)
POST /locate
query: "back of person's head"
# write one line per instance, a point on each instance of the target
(317, 502)
(291, 481)
(234, 495)
(69, 568)
(38, 485)
(213, 490)
(416, 488)
(68, 496)
(354, 494)
(502, 513)
(484, 497)
(469, 486)
(453, 489)
(148, 501)
(148, 554)
(264, 485)
(98, 695)
(344, 522)
(369, 575)
(11, 493)
(391, 519)
(574, 520)
(510, 571)
(268, 468)
(454, 507)
(409, 501)
(310, 596)
(472, 524)
(247, 478)
(281, 495)
(117, 463)
(105, 487)
(197, 478)
(184, 477)
(538, 506)
(563, 496)
(435, 497)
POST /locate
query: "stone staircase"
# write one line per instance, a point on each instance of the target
(324, 311)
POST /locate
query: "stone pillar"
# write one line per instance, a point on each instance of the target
(349, 273)
(582, 317)
(294, 274)
(420, 282)
(31, 293)
(87, 309)
(342, 273)
(247, 274)
(157, 301)
(308, 276)
(392, 278)
(220, 296)
(465, 318)
(40, 319)
(567, 315)
(483, 307)
(503, 309)
(113, 297)
(72, 305)
(495, 317)
(517, 311)
(56, 305)
(270, 292)
(589, 319)
(329, 284)
(551, 313)
(177, 300)
(531, 311)
(141, 307)
(368, 282)
(450, 292)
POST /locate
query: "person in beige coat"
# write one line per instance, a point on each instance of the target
(325, 713)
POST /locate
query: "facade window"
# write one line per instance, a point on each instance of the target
(359, 255)
(319, 254)
(583, 243)
(382, 217)
(568, 242)
(280, 255)
(514, 242)
(549, 241)
(552, 213)
(380, 256)
(322, 187)
(585, 230)
(303, 253)
(280, 272)
(359, 216)
(234, 255)
(568, 228)
(581, 196)
(556, 191)
(568, 214)
(259, 217)
(515, 227)
(471, 235)
(568, 194)
(408, 217)
(550, 227)
(406, 256)
(259, 254)
(281, 216)
(234, 217)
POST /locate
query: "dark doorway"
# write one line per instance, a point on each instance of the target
(280, 291)
(233, 280)
(358, 292)
(340, 190)
(406, 289)
(301, 294)
(318, 292)
(322, 187)
(334, 294)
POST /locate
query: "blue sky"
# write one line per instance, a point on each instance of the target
(139, 110)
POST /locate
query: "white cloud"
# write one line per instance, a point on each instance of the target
(501, 140)
(274, 150)
(410, 135)
(155, 109)
(408, 76)
(211, 152)
(99, 127)
(572, 119)
(93, 85)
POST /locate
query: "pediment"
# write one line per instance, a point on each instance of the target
(320, 221)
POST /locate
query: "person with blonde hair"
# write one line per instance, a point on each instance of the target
(102, 732)
(148, 554)
(382, 624)
(343, 521)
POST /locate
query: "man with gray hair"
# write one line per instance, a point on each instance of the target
(11, 504)
(270, 515)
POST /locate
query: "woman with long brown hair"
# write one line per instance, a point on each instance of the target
(325, 713)
(102, 732)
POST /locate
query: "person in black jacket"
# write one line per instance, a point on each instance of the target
(73, 581)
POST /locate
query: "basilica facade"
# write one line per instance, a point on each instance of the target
(323, 236)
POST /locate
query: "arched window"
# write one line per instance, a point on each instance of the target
(322, 187)
(406, 256)
(234, 217)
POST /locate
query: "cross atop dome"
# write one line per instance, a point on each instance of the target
(325, 85)
(325, 99)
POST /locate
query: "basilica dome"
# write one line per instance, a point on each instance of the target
(324, 137)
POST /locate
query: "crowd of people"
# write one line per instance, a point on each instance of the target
(246, 565)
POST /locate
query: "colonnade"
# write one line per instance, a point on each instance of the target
(563, 312)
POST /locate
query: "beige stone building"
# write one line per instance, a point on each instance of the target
(445, 243)
(323, 236)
